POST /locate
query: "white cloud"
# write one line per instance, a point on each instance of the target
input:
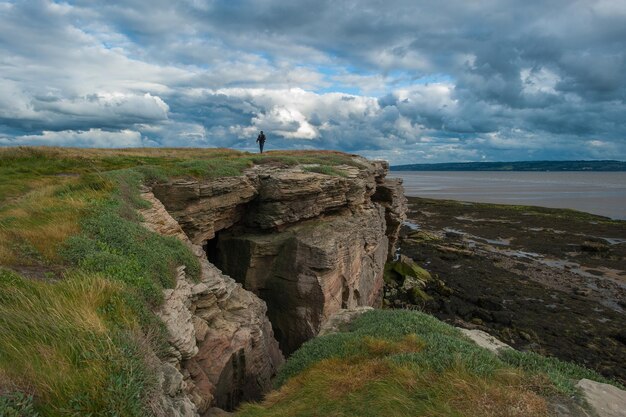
(540, 80)
(92, 138)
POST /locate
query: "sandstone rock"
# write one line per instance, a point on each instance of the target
(219, 332)
(390, 193)
(172, 380)
(174, 402)
(281, 196)
(290, 196)
(201, 328)
(341, 319)
(238, 355)
(175, 313)
(606, 400)
(203, 207)
(311, 270)
(309, 244)
(484, 340)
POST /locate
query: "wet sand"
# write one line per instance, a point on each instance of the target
(545, 280)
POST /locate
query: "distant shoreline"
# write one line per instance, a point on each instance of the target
(521, 166)
(600, 193)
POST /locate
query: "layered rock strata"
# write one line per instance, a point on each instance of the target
(311, 269)
(307, 243)
(222, 346)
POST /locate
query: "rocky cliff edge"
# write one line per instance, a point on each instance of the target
(299, 242)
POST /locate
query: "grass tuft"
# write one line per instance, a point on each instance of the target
(405, 363)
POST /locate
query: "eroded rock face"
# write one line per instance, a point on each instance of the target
(308, 244)
(310, 270)
(287, 196)
(222, 343)
(203, 207)
(390, 194)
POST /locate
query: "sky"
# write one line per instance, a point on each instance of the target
(410, 81)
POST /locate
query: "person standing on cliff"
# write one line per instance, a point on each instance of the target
(261, 140)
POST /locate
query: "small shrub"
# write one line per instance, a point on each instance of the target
(17, 404)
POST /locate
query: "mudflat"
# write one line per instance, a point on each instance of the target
(551, 281)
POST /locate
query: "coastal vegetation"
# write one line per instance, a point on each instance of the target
(407, 363)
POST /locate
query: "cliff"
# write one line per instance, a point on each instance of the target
(304, 243)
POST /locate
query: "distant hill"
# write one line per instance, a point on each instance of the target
(517, 166)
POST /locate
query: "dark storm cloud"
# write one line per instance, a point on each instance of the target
(451, 80)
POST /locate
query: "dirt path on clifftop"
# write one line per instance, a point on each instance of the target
(546, 280)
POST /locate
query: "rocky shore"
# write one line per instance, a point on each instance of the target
(541, 280)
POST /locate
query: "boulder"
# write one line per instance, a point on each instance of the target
(339, 321)
(606, 400)
(485, 340)
(408, 268)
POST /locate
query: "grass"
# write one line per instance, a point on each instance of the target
(326, 170)
(44, 217)
(16, 404)
(82, 346)
(74, 345)
(404, 363)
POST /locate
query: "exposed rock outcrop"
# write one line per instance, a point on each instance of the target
(606, 400)
(203, 207)
(222, 343)
(484, 340)
(390, 193)
(340, 320)
(288, 196)
(311, 270)
(307, 243)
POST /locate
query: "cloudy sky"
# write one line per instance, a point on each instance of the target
(404, 80)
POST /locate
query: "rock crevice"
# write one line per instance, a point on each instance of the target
(300, 246)
(222, 346)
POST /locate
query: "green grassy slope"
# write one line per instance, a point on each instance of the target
(405, 363)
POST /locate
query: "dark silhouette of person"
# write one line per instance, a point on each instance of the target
(261, 140)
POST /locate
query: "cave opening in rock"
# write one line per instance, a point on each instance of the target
(212, 250)
(228, 254)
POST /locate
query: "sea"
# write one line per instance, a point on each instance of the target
(602, 193)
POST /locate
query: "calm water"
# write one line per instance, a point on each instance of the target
(602, 193)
